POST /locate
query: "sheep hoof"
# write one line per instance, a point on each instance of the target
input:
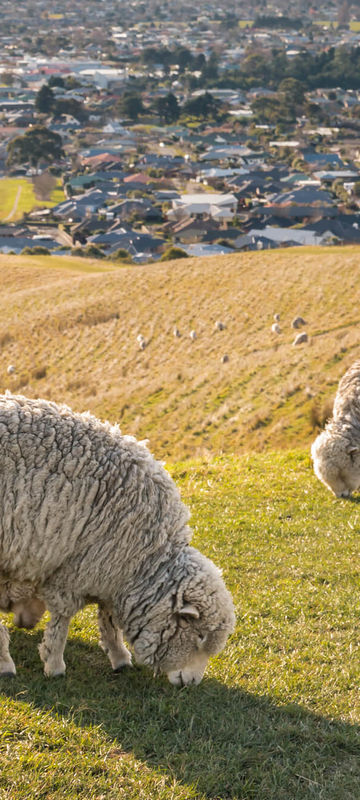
(55, 671)
(121, 668)
(7, 669)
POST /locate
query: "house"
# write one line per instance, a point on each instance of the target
(217, 206)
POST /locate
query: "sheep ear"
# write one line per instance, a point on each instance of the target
(189, 611)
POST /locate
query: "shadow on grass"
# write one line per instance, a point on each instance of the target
(225, 741)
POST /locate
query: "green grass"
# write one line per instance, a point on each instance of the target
(11, 188)
(277, 715)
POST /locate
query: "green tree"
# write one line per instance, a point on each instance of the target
(36, 145)
(204, 106)
(44, 101)
(167, 108)
(131, 105)
(292, 90)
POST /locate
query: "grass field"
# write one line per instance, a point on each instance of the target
(17, 197)
(70, 327)
(277, 716)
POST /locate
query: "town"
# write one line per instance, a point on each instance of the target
(138, 133)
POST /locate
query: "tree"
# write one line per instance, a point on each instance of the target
(7, 78)
(131, 105)
(45, 99)
(56, 80)
(167, 108)
(36, 145)
(204, 106)
(293, 91)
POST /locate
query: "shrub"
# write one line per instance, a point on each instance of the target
(121, 255)
(37, 250)
(173, 252)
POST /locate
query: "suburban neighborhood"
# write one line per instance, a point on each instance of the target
(135, 140)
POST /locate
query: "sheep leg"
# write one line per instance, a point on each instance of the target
(52, 646)
(111, 640)
(7, 666)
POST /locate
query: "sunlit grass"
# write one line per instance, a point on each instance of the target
(17, 196)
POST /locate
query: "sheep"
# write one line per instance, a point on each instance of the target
(301, 338)
(277, 317)
(142, 344)
(193, 335)
(297, 322)
(275, 328)
(88, 515)
(219, 325)
(11, 369)
(176, 332)
(225, 359)
(336, 451)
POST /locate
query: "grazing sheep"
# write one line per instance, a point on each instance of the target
(224, 359)
(193, 335)
(277, 317)
(142, 344)
(219, 326)
(301, 338)
(336, 451)
(298, 322)
(275, 328)
(11, 369)
(88, 515)
(176, 332)
(140, 338)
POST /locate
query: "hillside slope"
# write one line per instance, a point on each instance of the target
(70, 329)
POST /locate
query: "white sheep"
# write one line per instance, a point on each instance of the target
(193, 335)
(277, 317)
(11, 369)
(225, 359)
(275, 328)
(219, 325)
(142, 344)
(140, 338)
(297, 322)
(301, 338)
(336, 451)
(176, 332)
(87, 514)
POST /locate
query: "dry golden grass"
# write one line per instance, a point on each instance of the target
(70, 327)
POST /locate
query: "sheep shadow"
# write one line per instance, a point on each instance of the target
(227, 742)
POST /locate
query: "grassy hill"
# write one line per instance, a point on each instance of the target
(70, 328)
(277, 716)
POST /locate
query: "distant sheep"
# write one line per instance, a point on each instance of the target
(277, 317)
(117, 535)
(298, 322)
(193, 335)
(275, 328)
(140, 338)
(219, 325)
(142, 344)
(224, 359)
(11, 369)
(176, 332)
(301, 338)
(336, 451)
